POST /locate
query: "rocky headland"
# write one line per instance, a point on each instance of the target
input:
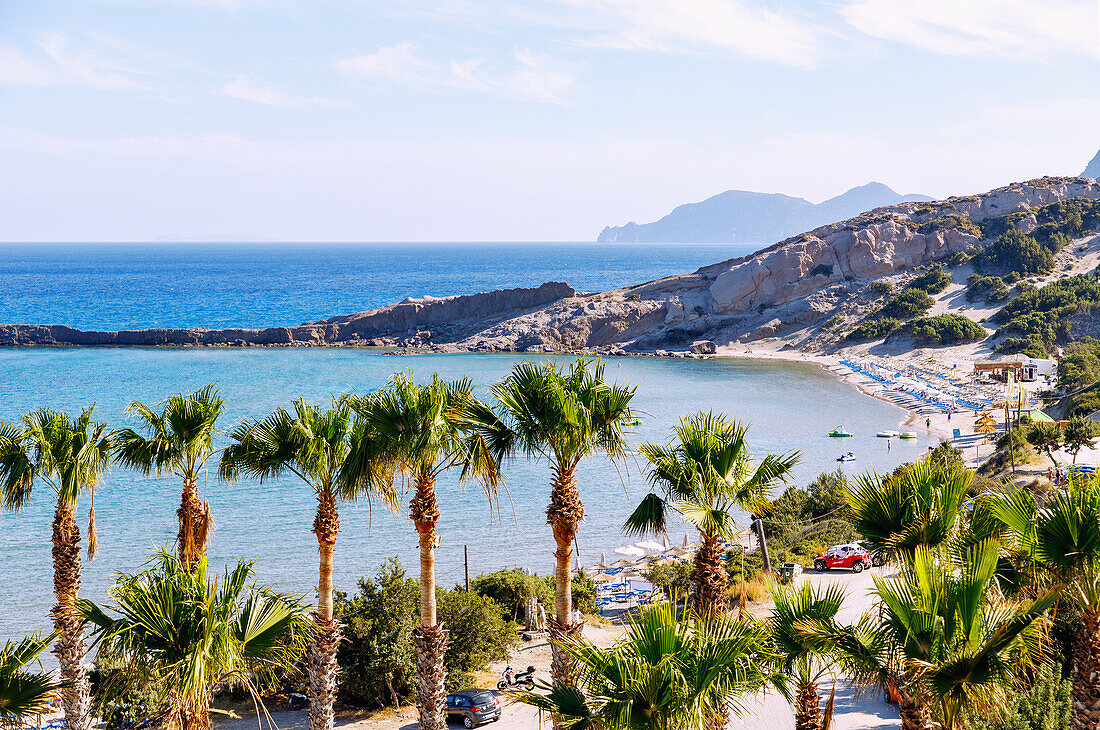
(786, 293)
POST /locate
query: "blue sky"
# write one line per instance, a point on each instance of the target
(408, 120)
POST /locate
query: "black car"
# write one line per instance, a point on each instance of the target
(473, 706)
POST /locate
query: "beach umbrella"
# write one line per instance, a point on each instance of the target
(686, 541)
(666, 546)
(630, 551)
(621, 564)
(603, 560)
(649, 545)
(603, 578)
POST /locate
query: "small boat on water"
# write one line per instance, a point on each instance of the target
(846, 457)
(907, 435)
(887, 434)
(633, 422)
(839, 433)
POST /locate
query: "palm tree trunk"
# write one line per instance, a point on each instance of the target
(69, 624)
(807, 713)
(915, 715)
(1086, 673)
(710, 577)
(194, 516)
(189, 717)
(321, 655)
(564, 515)
(430, 638)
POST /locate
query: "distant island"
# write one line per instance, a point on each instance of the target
(743, 216)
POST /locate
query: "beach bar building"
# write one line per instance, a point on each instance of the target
(1021, 369)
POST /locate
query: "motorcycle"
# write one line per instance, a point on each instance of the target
(509, 678)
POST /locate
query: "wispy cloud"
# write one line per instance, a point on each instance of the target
(58, 61)
(246, 90)
(525, 76)
(741, 28)
(994, 29)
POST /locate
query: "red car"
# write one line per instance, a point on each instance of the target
(850, 557)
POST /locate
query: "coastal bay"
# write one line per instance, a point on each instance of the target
(790, 405)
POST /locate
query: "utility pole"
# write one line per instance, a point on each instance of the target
(763, 545)
(466, 560)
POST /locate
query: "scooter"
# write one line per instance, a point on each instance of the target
(508, 678)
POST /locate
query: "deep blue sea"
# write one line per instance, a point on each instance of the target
(132, 286)
(790, 405)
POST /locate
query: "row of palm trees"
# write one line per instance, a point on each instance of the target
(955, 631)
(361, 447)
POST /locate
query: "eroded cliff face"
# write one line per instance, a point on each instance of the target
(795, 283)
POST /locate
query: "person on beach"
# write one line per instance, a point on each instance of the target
(927, 424)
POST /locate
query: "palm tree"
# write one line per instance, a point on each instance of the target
(943, 638)
(1062, 539)
(798, 660)
(70, 455)
(179, 439)
(562, 414)
(24, 693)
(672, 671)
(707, 477)
(421, 431)
(917, 505)
(180, 635)
(314, 445)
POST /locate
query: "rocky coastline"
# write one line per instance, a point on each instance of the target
(787, 292)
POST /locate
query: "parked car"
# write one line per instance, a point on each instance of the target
(849, 557)
(878, 559)
(473, 706)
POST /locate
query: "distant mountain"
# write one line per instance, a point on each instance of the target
(742, 216)
(1093, 170)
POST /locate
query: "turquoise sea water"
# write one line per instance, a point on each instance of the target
(791, 406)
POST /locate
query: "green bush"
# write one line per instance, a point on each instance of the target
(1085, 402)
(946, 329)
(880, 288)
(802, 521)
(672, 578)
(511, 588)
(873, 329)
(583, 592)
(990, 288)
(1014, 251)
(377, 657)
(1079, 364)
(1046, 705)
(907, 304)
(932, 281)
(946, 222)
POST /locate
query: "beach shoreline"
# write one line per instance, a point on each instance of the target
(939, 424)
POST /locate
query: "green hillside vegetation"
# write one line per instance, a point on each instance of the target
(988, 288)
(1040, 318)
(946, 222)
(907, 304)
(1013, 251)
(1079, 364)
(932, 281)
(873, 329)
(946, 329)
